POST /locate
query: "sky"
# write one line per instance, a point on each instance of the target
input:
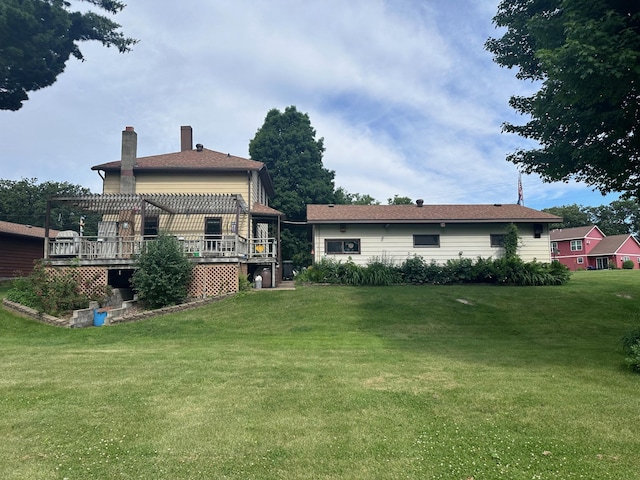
(402, 91)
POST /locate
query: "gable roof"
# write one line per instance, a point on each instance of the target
(611, 245)
(21, 230)
(573, 233)
(190, 161)
(426, 214)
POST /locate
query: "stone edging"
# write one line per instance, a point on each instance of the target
(34, 314)
(134, 317)
(25, 311)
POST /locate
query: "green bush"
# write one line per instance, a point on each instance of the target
(414, 270)
(631, 347)
(56, 294)
(244, 285)
(163, 273)
(380, 272)
(630, 339)
(633, 358)
(627, 265)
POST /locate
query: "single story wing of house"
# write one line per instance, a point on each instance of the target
(434, 232)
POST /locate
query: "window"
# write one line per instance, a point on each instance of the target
(497, 240)
(151, 226)
(350, 246)
(576, 245)
(580, 260)
(554, 247)
(426, 240)
(213, 227)
(625, 259)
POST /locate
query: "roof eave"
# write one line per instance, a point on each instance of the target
(432, 220)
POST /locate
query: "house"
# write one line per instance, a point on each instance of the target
(215, 204)
(434, 232)
(20, 247)
(589, 248)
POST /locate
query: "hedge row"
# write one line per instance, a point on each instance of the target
(414, 270)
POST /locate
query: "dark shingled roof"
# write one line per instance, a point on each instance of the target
(260, 209)
(426, 214)
(610, 245)
(571, 233)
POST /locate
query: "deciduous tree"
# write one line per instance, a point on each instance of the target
(25, 202)
(573, 216)
(617, 218)
(37, 37)
(585, 54)
(397, 200)
(343, 197)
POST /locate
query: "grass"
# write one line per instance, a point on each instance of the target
(334, 382)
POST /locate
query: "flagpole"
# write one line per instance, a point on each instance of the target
(520, 192)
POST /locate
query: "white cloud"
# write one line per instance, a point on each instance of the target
(406, 98)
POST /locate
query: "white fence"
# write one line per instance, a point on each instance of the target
(91, 248)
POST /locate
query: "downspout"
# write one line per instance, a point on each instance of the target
(249, 214)
(313, 244)
(46, 230)
(237, 227)
(279, 259)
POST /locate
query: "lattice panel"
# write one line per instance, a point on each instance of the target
(212, 280)
(87, 277)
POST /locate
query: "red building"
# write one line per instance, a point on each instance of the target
(588, 248)
(20, 246)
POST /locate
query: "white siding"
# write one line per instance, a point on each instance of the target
(395, 242)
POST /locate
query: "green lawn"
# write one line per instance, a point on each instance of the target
(334, 382)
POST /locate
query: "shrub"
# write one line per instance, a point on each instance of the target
(58, 293)
(633, 358)
(414, 270)
(244, 285)
(163, 273)
(630, 339)
(627, 264)
(380, 272)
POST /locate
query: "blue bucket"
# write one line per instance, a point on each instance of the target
(98, 318)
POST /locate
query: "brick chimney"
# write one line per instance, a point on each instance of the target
(186, 138)
(128, 160)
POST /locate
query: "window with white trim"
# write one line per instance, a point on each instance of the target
(554, 247)
(625, 259)
(432, 241)
(576, 245)
(342, 247)
(580, 260)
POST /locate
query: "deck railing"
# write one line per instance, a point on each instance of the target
(95, 248)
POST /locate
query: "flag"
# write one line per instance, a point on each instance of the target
(520, 194)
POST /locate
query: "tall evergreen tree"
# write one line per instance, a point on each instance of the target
(287, 144)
